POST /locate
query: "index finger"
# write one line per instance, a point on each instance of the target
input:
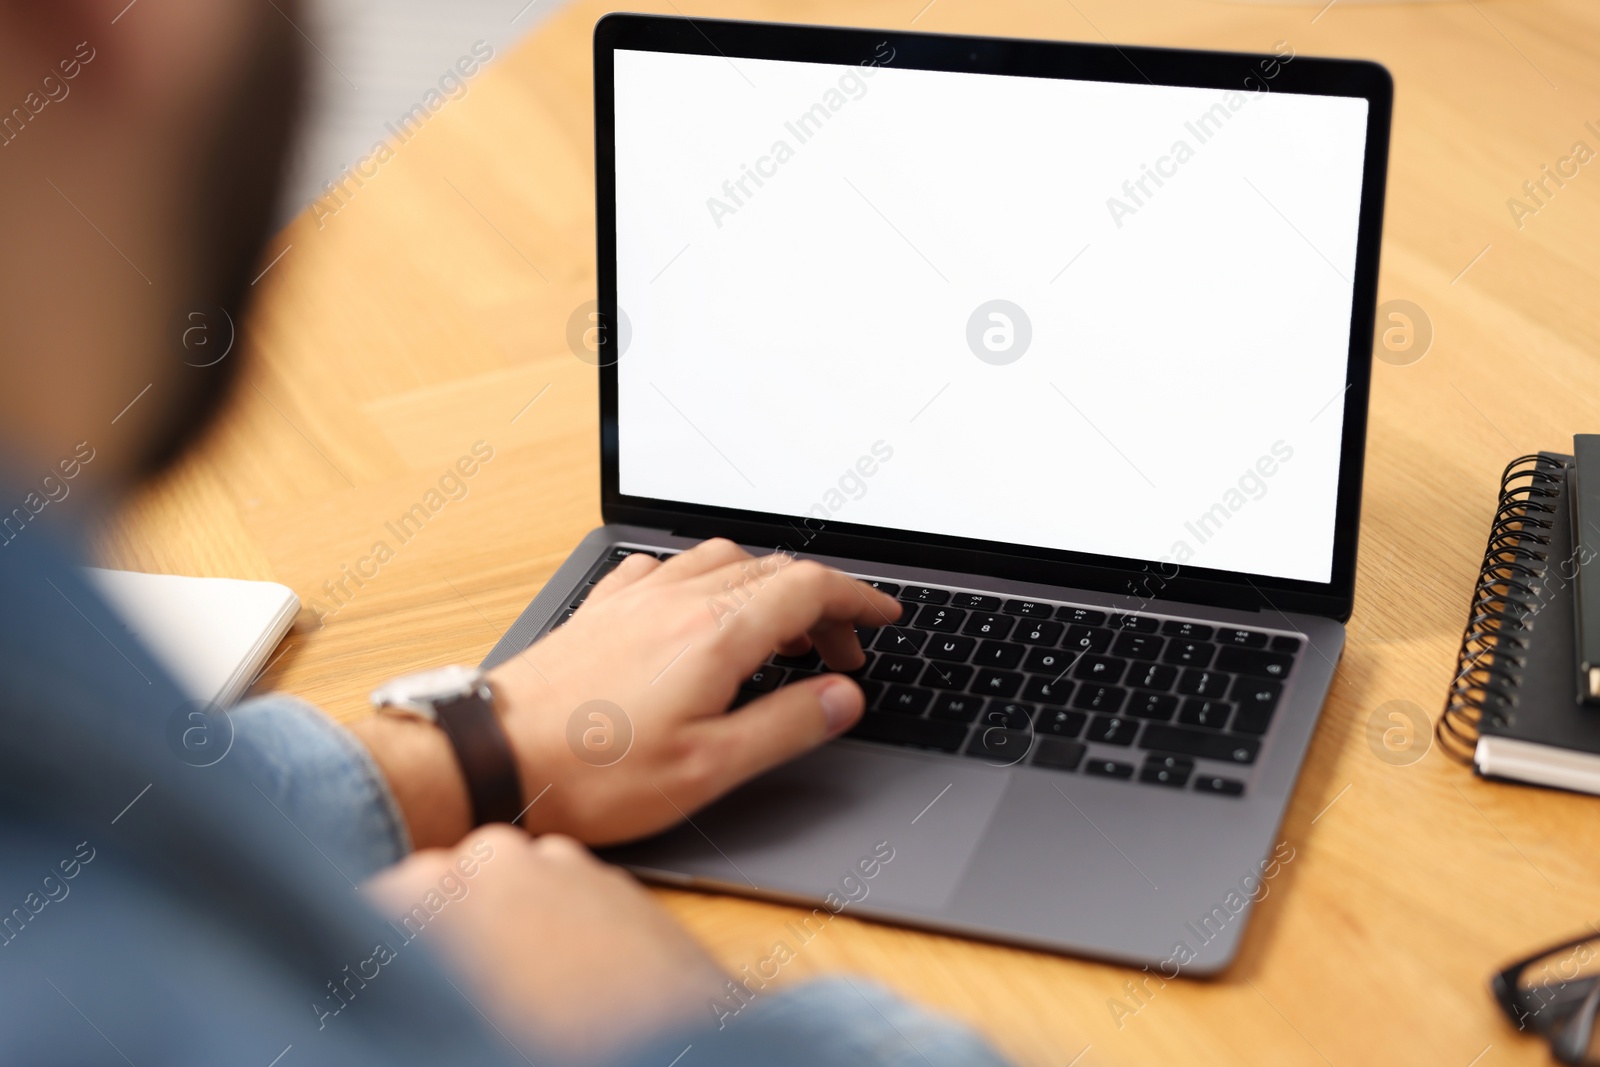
(712, 554)
(782, 600)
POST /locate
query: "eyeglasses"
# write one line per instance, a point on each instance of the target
(1556, 993)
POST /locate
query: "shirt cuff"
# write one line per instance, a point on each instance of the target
(323, 781)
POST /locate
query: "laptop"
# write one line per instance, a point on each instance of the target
(1067, 347)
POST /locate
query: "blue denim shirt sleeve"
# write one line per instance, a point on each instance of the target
(322, 780)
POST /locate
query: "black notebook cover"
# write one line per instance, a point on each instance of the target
(1583, 482)
(1531, 725)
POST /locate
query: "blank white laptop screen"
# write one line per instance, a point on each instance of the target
(1108, 318)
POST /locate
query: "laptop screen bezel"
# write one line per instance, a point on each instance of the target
(1139, 579)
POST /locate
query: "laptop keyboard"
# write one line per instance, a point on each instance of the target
(1164, 701)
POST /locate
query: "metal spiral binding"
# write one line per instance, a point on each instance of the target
(1489, 665)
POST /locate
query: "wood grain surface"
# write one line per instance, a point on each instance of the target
(429, 313)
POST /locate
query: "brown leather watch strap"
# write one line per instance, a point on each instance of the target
(485, 756)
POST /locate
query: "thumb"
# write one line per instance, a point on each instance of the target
(784, 724)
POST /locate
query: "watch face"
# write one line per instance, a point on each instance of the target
(425, 688)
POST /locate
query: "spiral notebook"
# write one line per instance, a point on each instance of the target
(1513, 708)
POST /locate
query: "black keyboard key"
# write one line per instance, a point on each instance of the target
(1189, 631)
(897, 669)
(1253, 661)
(1139, 646)
(1212, 714)
(887, 588)
(1058, 753)
(1225, 787)
(1257, 699)
(1204, 744)
(955, 707)
(604, 569)
(950, 649)
(995, 683)
(1202, 684)
(1047, 661)
(902, 730)
(871, 690)
(983, 624)
(622, 552)
(1259, 693)
(1008, 714)
(1038, 632)
(565, 615)
(1112, 730)
(976, 602)
(1001, 654)
(1033, 609)
(1003, 746)
(1143, 624)
(1108, 768)
(1170, 771)
(901, 641)
(1106, 698)
(953, 676)
(1157, 706)
(1285, 643)
(939, 619)
(764, 680)
(1081, 616)
(1086, 639)
(903, 700)
(581, 596)
(925, 594)
(1190, 653)
(1106, 670)
(1058, 722)
(1046, 690)
(1241, 638)
(1153, 676)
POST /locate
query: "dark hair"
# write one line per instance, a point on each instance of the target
(238, 181)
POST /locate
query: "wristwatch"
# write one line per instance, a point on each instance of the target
(459, 701)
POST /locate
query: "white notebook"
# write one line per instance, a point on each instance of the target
(214, 635)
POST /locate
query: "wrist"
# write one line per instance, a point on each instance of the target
(516, 708)
(444, 748)
(421, 768)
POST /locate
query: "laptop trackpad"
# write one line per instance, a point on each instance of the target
(818, 825)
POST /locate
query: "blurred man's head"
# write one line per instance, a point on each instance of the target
(141, 147)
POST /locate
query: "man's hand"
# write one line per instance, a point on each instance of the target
(559, 948)
(621, 712)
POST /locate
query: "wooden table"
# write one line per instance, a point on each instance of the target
(430, 311)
